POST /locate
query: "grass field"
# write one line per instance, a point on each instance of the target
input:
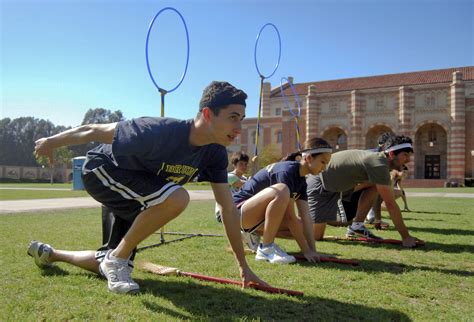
(434, 282)
(57, 190)
(23, 191)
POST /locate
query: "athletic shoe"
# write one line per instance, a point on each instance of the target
(251, 240)
(363, 232)
(118, 274)
(40, 252)
(274, 255)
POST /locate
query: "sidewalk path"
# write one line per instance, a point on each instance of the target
(15, 206)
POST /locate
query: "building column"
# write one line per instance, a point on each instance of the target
(312, 113)
(406, 107)
(457, 137)
(355, 139)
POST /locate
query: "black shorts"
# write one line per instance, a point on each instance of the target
(125, 194)
(327, 206)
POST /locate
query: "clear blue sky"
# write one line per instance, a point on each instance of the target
(59, 58)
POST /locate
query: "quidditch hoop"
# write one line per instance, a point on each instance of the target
(279, 50)
(146, 50)
(287, 102)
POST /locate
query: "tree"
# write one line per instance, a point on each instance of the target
(62, 157)
(102, 116)
(270, 154)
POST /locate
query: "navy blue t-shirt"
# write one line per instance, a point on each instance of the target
(287, 172)
(161, 146)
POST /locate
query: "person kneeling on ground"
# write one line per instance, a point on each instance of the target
(351, 183)
(138, 172)
(268, 199)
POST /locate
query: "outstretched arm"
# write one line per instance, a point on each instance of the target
(101, 133)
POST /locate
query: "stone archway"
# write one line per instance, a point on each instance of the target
(336, 137)
(431, 152)
(373, 134)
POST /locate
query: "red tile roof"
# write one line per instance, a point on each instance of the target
(390, 80)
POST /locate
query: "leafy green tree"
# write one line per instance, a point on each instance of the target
(270, 154)
(62, 158)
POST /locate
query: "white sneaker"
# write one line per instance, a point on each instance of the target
(40, 252)
(252, 240)
(274, 255)
(118, 274)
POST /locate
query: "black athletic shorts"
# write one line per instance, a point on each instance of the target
(125, 194)
(327, 206)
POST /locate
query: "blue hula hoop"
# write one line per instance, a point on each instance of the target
(279, 50)
(287, 102)
(146, 50)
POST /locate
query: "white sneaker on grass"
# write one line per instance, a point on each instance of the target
(41, 253)
(118, 274)
(274, 255)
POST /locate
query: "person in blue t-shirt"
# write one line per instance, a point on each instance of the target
(138, 172)
(267, 204)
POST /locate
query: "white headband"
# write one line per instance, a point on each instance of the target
(318, 150)
(399, 147)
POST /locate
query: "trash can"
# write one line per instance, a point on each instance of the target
(77, 164)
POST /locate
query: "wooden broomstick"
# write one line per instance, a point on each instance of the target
(165, 270)
(372, 240)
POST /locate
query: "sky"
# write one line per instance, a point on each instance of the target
(60, 58)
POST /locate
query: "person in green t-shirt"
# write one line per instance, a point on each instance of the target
(349, 186)
(236, 177)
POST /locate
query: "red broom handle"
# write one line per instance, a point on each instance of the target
(268, 289)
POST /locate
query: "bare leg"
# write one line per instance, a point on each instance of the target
(318, 230)
(84, 259)
(270, 205)
(366, 201)
(405, 202)
(151, 220)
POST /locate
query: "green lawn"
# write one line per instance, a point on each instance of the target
(59, 192)
(452, 190)
(434, 282)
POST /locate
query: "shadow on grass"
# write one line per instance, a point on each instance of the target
(203, 301)
(435, 213)
(444, 231)
(421, 219)
(377, 266)
(54, 271)
(430, 246)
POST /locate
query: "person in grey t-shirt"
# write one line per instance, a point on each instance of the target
(351, 183)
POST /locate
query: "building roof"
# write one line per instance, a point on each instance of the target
(381, 81)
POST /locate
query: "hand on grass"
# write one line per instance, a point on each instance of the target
(312, 256)
(409, 242)
(248, 277)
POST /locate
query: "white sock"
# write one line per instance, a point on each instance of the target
(371, 214)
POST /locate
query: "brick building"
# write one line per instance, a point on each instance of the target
(435, 108)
